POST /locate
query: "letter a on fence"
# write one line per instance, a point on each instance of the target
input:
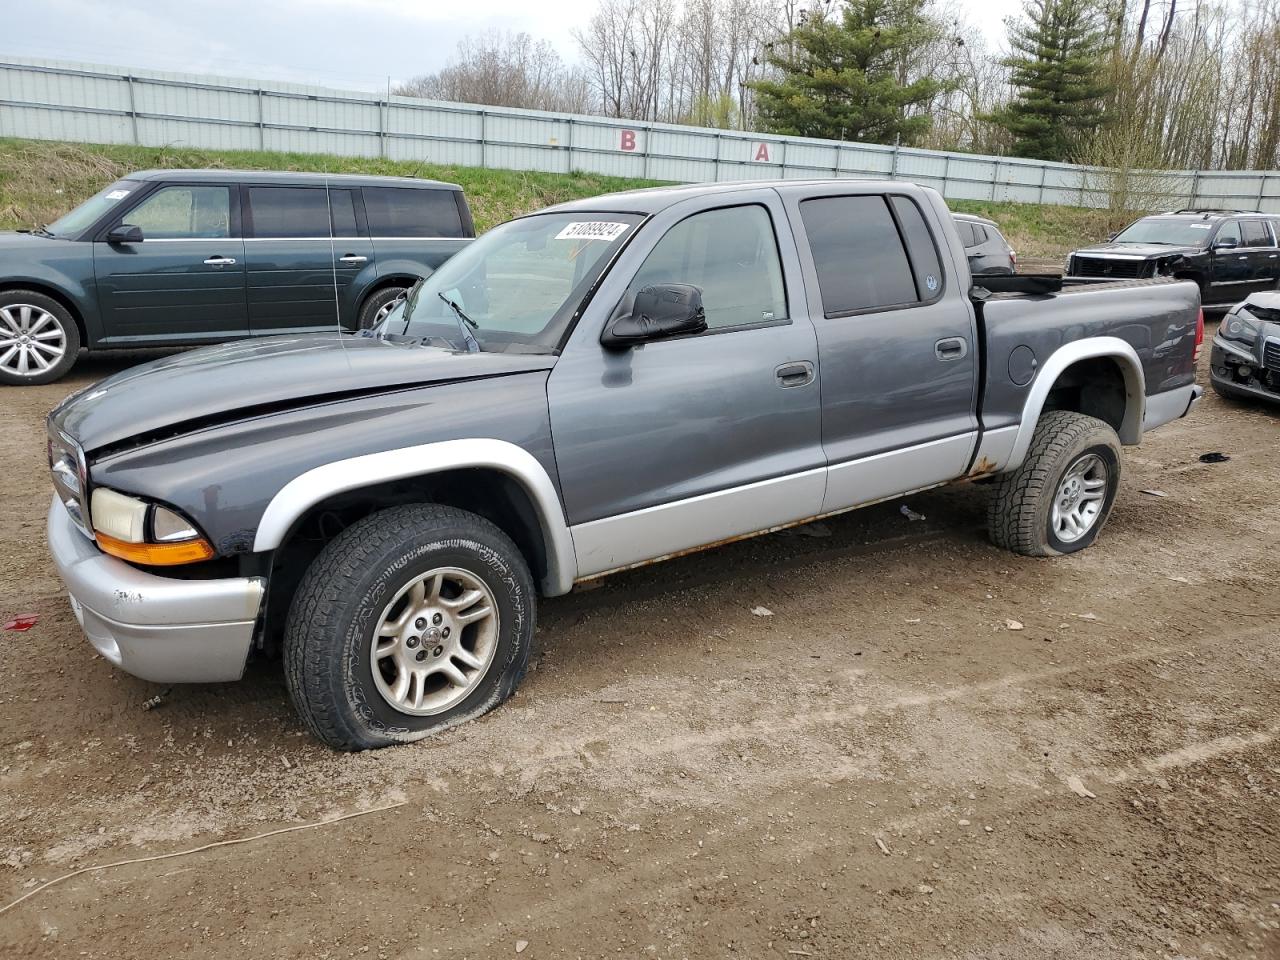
(760, 153)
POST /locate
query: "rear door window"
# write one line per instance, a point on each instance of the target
(412, 212)
(858, 254)
(921, 249)
(1256, 233)
(289, 212)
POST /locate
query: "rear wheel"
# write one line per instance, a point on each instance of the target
(412, 620)
(380, 303)
(39, 339)
(1058, 500)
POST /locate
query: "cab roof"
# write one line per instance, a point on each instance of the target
(288, 177)
(651, 200)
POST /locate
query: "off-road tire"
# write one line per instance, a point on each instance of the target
(67, 323)
(338, 605)
(375, 302)
(1020, 510)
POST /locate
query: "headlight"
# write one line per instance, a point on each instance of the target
(1240, 326)
(66, 462)
(143, 532)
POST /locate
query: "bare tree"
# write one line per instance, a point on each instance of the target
(506, 70)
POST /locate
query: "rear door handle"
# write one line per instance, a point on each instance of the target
(353, 258)
(796, 374)
(951, 348)
(220, 261)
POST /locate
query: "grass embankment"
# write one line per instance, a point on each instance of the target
(40, 181)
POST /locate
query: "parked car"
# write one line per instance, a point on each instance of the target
(1245, 360)
(985, 247)
(587, 389)
(1228, 253)
(180, 257)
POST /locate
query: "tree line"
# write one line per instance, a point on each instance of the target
(1128, 84)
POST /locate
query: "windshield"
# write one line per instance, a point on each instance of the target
(516, 288)
(87, 214)
(1167, 230)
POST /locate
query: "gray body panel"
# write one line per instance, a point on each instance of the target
(224, 477)
(1156, 318)
(678, 418)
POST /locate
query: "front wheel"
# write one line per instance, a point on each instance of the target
(1059, 498)
(39, 339)
(412, 620)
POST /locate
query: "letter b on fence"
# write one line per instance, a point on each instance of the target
(627, 140)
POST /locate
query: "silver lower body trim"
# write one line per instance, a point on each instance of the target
(1170, 405)
(656, 533)
(156, 628)
(893, 472)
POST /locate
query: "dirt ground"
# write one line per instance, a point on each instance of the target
(882, 768)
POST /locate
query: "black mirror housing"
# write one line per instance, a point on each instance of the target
(660, 310)
(1226, 243)
(125, 233)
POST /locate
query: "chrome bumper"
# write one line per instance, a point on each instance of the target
(168, 631)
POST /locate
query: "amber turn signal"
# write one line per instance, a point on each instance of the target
(156, 554)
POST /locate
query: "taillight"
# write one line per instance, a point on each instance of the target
(1195, 357)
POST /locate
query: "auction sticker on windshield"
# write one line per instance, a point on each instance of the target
(593, 230)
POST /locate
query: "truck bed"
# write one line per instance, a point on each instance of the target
(1023, 321)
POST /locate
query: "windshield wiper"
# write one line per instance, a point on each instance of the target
(465, 324)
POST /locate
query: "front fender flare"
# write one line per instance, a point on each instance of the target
(340, 476)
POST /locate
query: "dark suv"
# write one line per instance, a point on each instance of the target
(985, 247)
(1229, 253)
(178, 257)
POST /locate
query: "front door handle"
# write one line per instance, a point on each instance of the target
(796, 374)
(951, 348)
(353, 258)
(220, 261)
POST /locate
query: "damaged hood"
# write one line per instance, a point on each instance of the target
(258, 377)
(1264, 306)
(1136, 251)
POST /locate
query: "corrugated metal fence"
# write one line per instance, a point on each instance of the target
(53, 100)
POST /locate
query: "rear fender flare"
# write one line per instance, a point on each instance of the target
(1093, 347)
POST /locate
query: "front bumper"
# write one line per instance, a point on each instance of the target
(1225, 361)
(157, 628)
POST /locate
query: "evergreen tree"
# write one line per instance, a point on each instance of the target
(1058, 68)
(848, 79)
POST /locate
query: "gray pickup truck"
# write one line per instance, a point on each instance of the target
(593, 387)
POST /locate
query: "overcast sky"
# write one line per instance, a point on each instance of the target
(338, 43)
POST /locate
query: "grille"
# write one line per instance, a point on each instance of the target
(1271, 356)
(1105, 267)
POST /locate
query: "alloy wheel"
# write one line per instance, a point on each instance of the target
(31, 340)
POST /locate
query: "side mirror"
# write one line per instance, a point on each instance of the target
(125, 233)
(1226, 243)
(660, 310)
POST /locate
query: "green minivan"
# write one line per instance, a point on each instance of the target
(183, 257)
